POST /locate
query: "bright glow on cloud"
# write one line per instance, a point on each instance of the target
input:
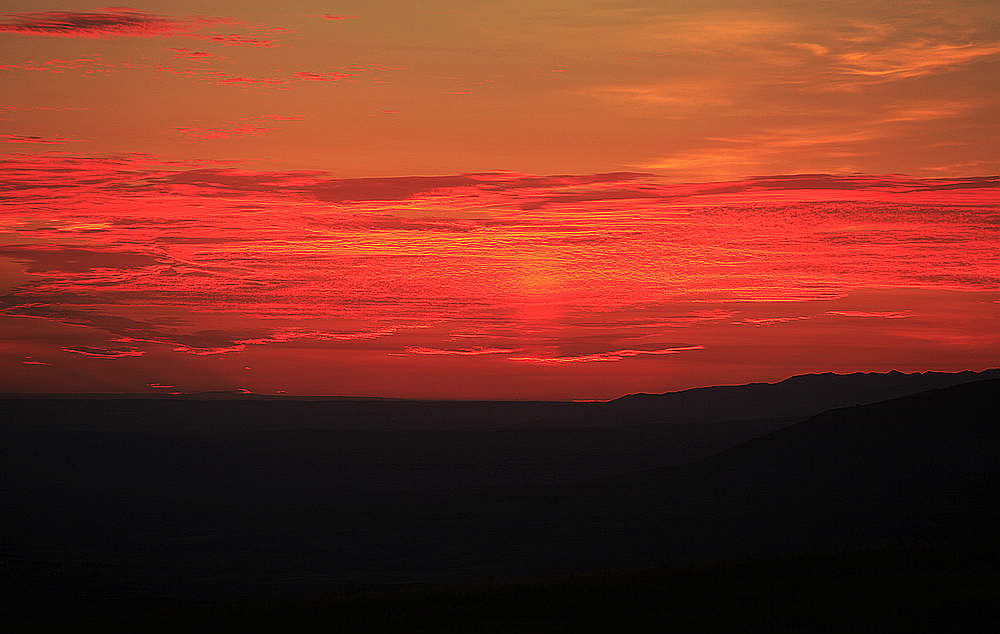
(544, 271)
(533, 200)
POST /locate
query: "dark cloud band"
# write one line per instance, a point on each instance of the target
(90, 24)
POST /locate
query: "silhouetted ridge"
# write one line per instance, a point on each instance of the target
(797, 396)
(108, 511)
(924, 468)
(881, 517)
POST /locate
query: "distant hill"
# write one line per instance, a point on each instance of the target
(308, 447)
(798, 396)
(97, 515)
(921, 469)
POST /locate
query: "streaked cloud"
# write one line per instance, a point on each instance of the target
(913, 59)
(769, 321)
(34, 140)
(232, 39)
(671, 98)
(103, 353)
(106, 23)
(612, 355)
(464, 352)
(810, 170)
(222, 133)
(245, 126)
(872, 314)
(85, 65)
(69, 259)
(307, 76)
(191, 54)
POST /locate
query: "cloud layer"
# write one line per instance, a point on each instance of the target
(699, 194)
(112, 22)
(144, 261)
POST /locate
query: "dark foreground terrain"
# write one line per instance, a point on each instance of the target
(651, 513)
(909, 590)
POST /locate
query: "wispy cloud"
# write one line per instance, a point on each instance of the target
(103, 353)
(85, 65)
(222, 133)
(464, 352)
(187, 53)
(612, 355)
(840, 141)
(926, 111)
(752, 152)
(335, 76)
(912, 59)
(246, 126)
(677, 97)
(769, 321)
(107, 23)
(34, 140)
(232, 39)
(199, 263)
(871, 314)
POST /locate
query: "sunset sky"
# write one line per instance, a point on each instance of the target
(485, 199)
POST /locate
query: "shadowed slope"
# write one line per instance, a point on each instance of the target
(916, 470)
(802, 395)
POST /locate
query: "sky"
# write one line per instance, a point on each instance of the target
(495, 200)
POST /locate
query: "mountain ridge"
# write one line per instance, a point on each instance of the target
(797, 396)
(907, 473)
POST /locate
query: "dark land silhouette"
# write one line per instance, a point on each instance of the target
(821, 503)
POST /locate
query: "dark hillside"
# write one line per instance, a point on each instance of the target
(798, 396)
(106, 518)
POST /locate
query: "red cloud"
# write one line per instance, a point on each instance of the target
(70, 259)
(613, 355)
(459, 352)
(272, 265)
(186, 52)
(279, 117)
(768, 321)
(397, 188)
(19, 138)
(241, 40)
(86, 64)
(321, 76)
(112, 22)
(103, 353)
(240, 127)
(253, 81)
(222, 133)
(868, 313)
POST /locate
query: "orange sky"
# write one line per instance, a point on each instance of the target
(337, 198)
